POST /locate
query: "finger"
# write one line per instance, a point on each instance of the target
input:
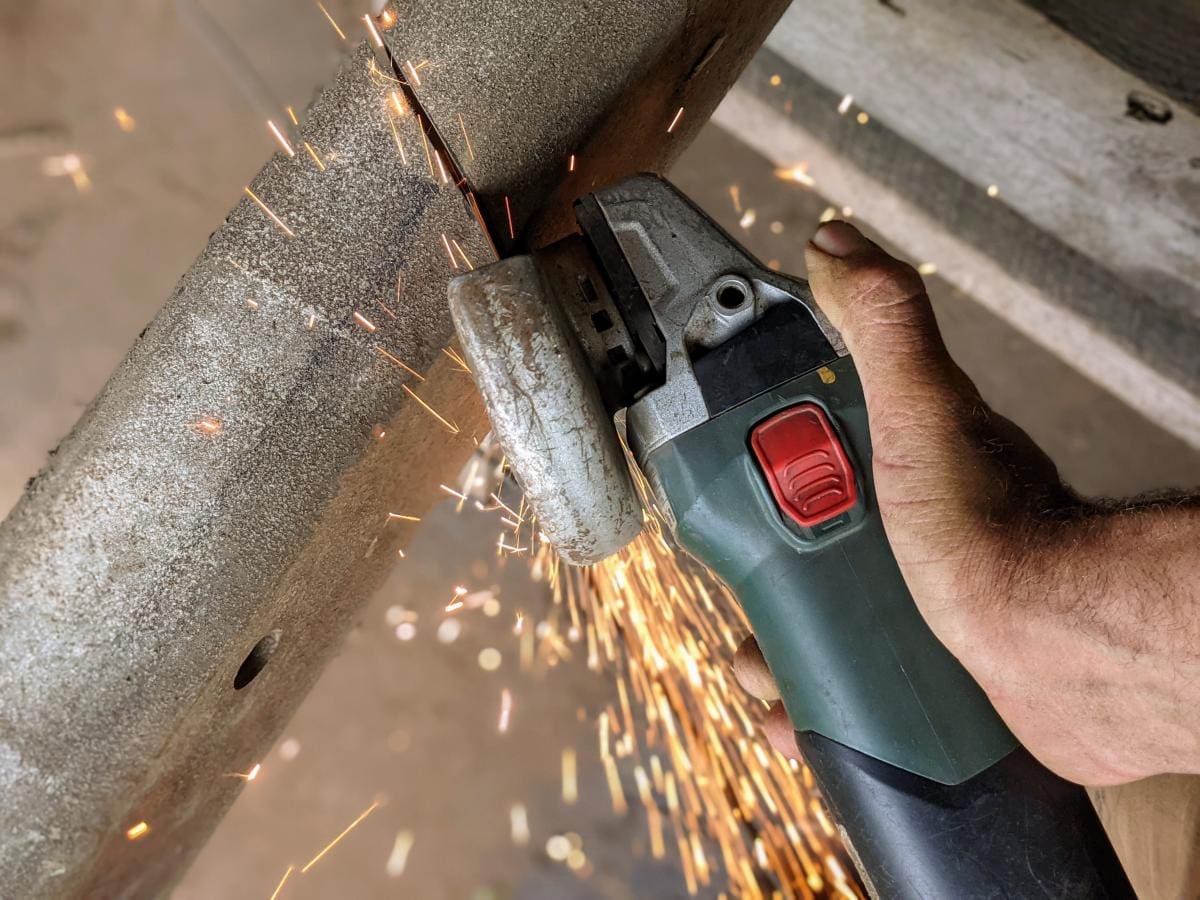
(924, 412)
(780, 733)
(883, 312)
(752, 672)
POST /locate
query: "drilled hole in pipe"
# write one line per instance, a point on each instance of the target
(256, 660)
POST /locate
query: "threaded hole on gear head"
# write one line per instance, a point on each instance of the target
(731, 296)
(256, 660)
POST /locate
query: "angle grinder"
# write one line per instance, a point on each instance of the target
(745, 413)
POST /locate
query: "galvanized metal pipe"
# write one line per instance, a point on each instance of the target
(219, 513)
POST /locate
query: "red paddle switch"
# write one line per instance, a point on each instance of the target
(805, 465)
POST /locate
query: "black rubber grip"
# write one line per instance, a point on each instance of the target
(1015, 830)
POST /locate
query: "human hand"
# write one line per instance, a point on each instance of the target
(1077, 619)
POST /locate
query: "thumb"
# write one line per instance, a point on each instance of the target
(922, 408)
(880, 306)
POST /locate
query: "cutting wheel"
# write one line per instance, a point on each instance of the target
(546, 410)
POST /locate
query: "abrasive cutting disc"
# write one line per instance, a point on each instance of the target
(546, 410)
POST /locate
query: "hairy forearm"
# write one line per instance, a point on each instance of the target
(1105, 608)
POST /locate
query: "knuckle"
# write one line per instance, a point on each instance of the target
(883, 281)
(883, 291)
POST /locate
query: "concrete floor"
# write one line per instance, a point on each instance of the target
(409, 722)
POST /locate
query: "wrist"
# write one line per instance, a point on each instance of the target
(1089, 620)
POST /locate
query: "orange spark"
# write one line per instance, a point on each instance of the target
(441, 168)
(385, 308)
(466, 261)
(399, 105)
(395, 360)
(125, 121)
(466, 137)
(398, 859)
(312, 862)
(292, 115)
(512, 234)
(456, 358)
(246, 776)
(209, 426)
(416, 79)
(449, 252)
(451, 427)
(735, 194)
(378, 76)
(364, 323)
(613, 777)
(274, 218)
(399, 143)
(283, 141)
(452, 492)
(68, 164)
(315, 157)
(518, 820)
(375, 38)
(139, 830)
(505, 710)
(400, 517)
(571, 163)
(797, 173)
(570, 780)
(339, 31)
(425, 142)
(282, 882)
(675, 121)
